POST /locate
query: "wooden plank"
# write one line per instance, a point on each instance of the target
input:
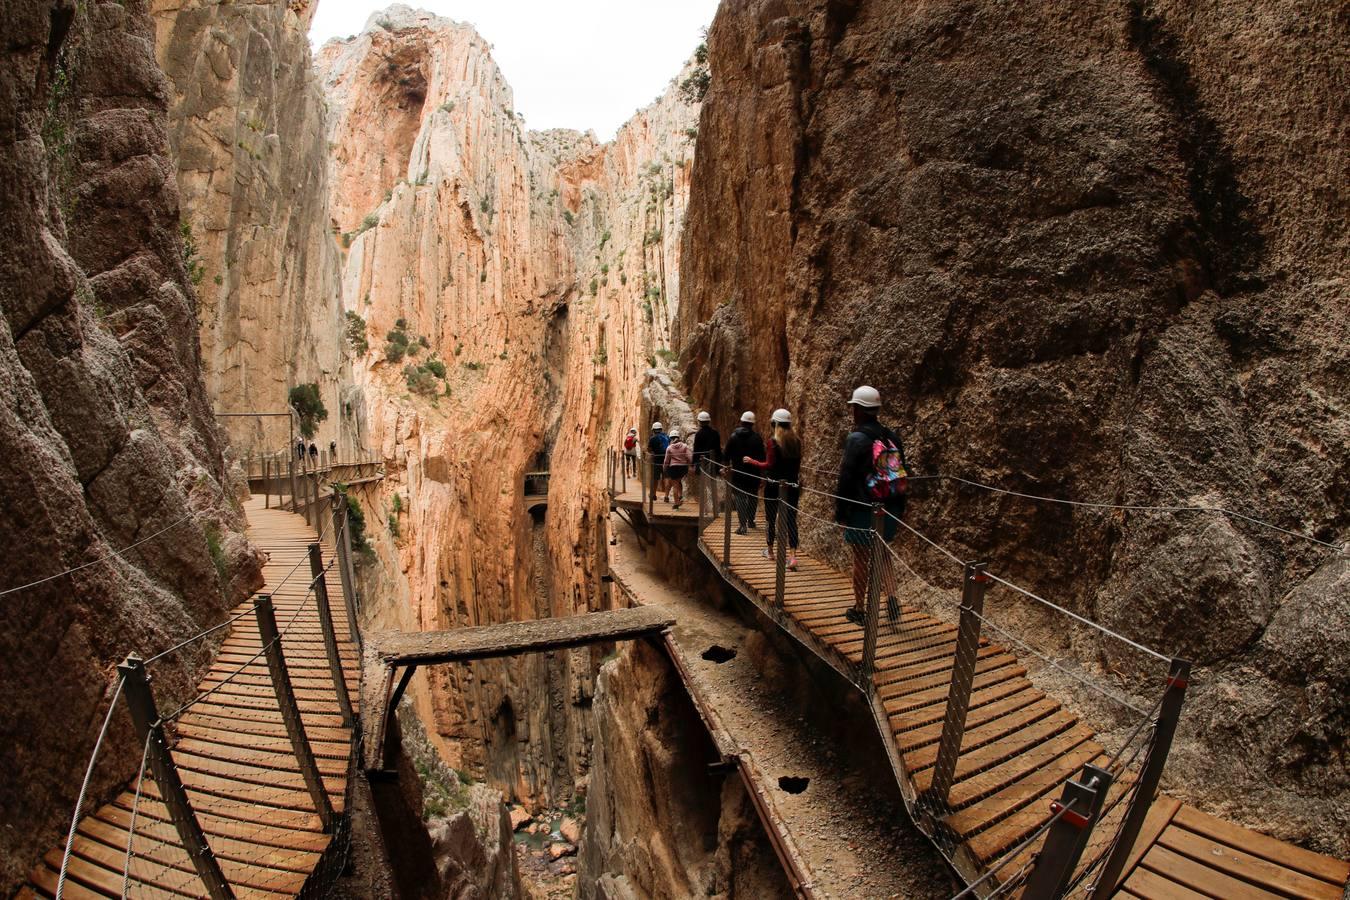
(978, 735)
(1200, 877)
(990, 781)
(484, 641)
(1252, 869)
(1160, 814)
(1009, 746)
(1325, 868)
(1044, 782)
(1152, 886)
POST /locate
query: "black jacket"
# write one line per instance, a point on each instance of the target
(707, 445)
(744, 442)
(856, 465)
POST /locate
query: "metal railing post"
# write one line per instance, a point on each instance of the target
(315, 519)
(329, 635)
(145, 719)
(779, 549)
(342, 541)
(266, 471)
(974, 581)
(290, 711)
(1149, 775)
(290, 465)
(623, 475)
(873, 611)
(726, 523)
(1081, 803)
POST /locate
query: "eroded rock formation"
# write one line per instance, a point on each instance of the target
(1091, 252)
(247, 131)
(108, 440)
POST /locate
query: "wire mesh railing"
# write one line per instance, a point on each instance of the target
(242, 787)
(968, 687)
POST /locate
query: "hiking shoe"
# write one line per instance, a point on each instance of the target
(740, 529)
(893, 613)
(856, 616)
(767, 553)
(675, 505)
(792, 561)
(752, 524)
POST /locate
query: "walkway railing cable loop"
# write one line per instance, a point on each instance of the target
(970, 890)
(116, 554)
(135, 807)
(84, 786)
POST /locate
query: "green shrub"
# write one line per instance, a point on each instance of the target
(191, 260)
(356, 333)
(217, 555)
(398, 503)
(595, 287)
(394, 351)
(369, 222)
(393, 527)
(305, 400)
(694, 88)
(421, 381)
(435, 367)
(568, 217)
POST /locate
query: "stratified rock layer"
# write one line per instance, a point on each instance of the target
(1093, 252)
(107, 439)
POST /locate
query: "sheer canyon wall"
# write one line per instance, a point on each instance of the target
(111, 465)
(1092, 251)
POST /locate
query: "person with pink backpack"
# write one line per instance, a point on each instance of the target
(871, 499)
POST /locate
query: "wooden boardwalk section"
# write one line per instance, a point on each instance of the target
(234, 756)
(662, 512)
(1020, 747)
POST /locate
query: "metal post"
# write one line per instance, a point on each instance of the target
(329, 636)
(145, 720)
(642, 476)
(873, 609)
(1068, 836)
(342, 541)
(623, 476)
(726, 524)
(290, 460)
(780, 550)
(974, 581)
(1149, 775)
(266, 472)
(316, 518)
(290, 711)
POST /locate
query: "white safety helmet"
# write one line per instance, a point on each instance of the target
(632, 431)
(748, 416)
(704, 417)
(781, 416)
(865, 396)
(656, 426)
(674, 434)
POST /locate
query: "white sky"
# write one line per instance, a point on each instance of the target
(571, 63)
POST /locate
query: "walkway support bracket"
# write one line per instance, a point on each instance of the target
(873, 623)
(1150, 774)
(1078, 809)
(320, 589)
(290, 711)
(779, 550)
(149, 728)
(974, 581)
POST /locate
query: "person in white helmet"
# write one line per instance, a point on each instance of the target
(871, 499)
(782, 467)
(656, 454)
(678, 457)
(745, 443)
(707, 443)
(630, 461)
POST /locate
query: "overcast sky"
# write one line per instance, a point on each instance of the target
(571, 63)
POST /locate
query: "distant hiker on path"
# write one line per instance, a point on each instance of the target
(656, 449)
(783, 463)
(871, 495)
(679, 455)
(630, 462)
(300, 449)
(313, 455)
(332, 453)
(707, 443)
(745, 443)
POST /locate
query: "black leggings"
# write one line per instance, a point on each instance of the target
(791, 499)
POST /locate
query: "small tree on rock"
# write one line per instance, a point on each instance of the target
(305, 400)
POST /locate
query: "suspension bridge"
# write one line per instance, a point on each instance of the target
(1020, 793)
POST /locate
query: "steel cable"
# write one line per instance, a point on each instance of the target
(135, 807)
(84, 787)
(116, 554)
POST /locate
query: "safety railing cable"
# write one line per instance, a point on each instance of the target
(116, 554)
(84, 787)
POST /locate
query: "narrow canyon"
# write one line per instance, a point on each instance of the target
(1092, 258)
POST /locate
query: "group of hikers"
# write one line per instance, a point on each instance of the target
(869, 497)
(313, 452)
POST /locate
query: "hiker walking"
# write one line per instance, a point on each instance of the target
(782, 466)
(745, 444)
(678, 457)
(707, 444)
(656, 450)
(313, 455)
(630, 462)
(300, 449)
(871, 499)
(332, 453)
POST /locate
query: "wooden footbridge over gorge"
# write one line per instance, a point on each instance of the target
(1019, 792)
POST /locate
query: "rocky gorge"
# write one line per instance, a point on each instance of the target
(1087, 253)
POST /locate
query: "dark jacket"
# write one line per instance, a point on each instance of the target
(744, 442)
(707, 445)
(856, 465)
(656, 447)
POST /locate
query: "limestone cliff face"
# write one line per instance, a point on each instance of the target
(107, 439)
(247, 130)
(1092, 252)
(470, 245)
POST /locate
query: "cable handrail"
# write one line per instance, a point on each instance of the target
(84, 786)
(135, 807)
(1014, 853)
(116, 554)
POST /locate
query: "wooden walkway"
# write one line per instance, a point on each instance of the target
(1020, 747)
(234, 756)
(662, 512)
